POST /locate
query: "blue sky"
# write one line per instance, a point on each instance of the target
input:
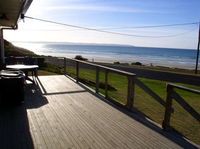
(110, 14)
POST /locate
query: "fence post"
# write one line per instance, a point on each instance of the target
(130, 93)
(65, 65)
(97, 79)
(168, 108)
(77, 71)
(106, 83)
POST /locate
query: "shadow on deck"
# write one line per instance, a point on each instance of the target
(59, 113)
(14, 121)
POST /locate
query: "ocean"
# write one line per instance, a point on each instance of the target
(179, 58)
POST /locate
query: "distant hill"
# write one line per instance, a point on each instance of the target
(12, 50)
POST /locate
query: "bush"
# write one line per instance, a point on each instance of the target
(79, 57)
(116, 63)
(136, 63)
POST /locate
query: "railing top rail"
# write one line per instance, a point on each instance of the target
(104, 67)
(184, 88)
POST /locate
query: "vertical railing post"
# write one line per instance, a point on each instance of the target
(106, 83)
(35, 60)
(130, 93)
(97, 79)
(65, 65)
(168, 108)
(77, 71)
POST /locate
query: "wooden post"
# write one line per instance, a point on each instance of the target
(2, 62)
(65, 65)
(197, 59)
(97, 79)
(106, 83)
(168, 108)
(130, 94)
(77, 71)
(35, 60)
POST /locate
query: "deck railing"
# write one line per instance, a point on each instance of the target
(132, 80)
(107, 70)
(172, 94)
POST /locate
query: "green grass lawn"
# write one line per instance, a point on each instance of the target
(180, 121)
(45, 73)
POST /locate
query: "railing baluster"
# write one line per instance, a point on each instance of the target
(97, 79)
(36, 61)
(168, 108)
(65, 65)
(130, 93)
(77, 71)
(106, 83)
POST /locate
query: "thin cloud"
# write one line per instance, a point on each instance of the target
(102, 8)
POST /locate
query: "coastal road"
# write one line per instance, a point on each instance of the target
(158, 75)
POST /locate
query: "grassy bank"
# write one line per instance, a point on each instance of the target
(12, 50)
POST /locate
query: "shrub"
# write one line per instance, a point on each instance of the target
(116, 63)
(136, 63)
(79, 57)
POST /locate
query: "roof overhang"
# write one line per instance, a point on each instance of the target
(11, 10)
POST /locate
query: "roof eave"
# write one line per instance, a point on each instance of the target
(22, 7)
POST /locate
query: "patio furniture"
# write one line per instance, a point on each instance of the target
(11, 87)
(25, 68)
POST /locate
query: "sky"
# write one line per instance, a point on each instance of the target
(113, 16)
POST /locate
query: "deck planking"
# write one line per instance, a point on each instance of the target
(60, 114)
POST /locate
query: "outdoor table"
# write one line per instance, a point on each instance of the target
(25, 69)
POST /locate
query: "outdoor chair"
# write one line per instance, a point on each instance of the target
(11, 87)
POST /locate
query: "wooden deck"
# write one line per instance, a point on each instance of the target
(62, 114)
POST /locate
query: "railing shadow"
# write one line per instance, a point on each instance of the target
(137, 115)
(34, 97)
(40, 85)
(70, 92)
